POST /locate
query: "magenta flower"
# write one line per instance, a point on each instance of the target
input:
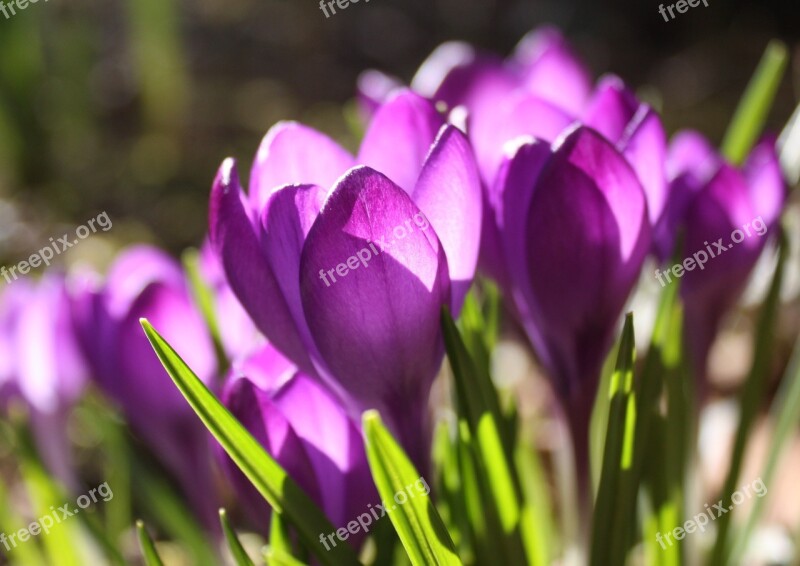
(344, 263)
(717, 204)
(307, 430)
(43, 365)
(145, 282)
(573, 234)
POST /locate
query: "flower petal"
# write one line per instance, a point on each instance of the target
(249, 274)
(644, 145)
(374, 313)
(611, 108)
(292, 153)
(764, 178)
(449, 194)
(588, 223)
(552, 71)
(399, 138)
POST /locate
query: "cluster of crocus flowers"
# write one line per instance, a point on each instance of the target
(330, 271)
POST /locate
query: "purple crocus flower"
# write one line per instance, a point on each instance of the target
(573, 233)
(145, 282)
(457, 74)
(43, 364)
(307, 430)
(711, 200)
(344, 262)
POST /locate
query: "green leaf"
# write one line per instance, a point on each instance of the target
(274, 484)
(170, 511)
(750, 399)
(479, 404)
(417, 522)
(608, 527)
(204, 299)
(274, 557)
(149, 553)
(754, 107)
(234, 545)
(786, 416)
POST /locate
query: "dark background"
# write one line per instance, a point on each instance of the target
(130, 106)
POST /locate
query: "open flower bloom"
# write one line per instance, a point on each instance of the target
(717, 204)
(308, 432)
(573, 234)
(345, 263)
(145, 282)
(43, 364)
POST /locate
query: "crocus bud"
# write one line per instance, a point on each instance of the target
(146, 283)
(307, 430)
(726, 214)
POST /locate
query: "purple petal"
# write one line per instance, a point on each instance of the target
(399, 138)
(336, 451)
(552, 71)
(268, 425)
(377, 325)
(135, 269)
(611, 109)
(588, 222)
(449, 194)
(690, 152)
(374, 88)
(764, 178)
(143, 385)
(51, 368)
(247, 269)
(293, 154)
(515, 186)
(520, 115)
(644, 145)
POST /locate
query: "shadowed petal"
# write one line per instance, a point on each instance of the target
(588, 234)
(373, 282)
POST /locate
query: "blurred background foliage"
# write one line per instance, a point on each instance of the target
(129, 106)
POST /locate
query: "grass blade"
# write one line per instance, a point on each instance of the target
(151, 557)
(417, 522)
(234, 545)
(754, 107)
(274, 484)
(607, 527)
(750, 399)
